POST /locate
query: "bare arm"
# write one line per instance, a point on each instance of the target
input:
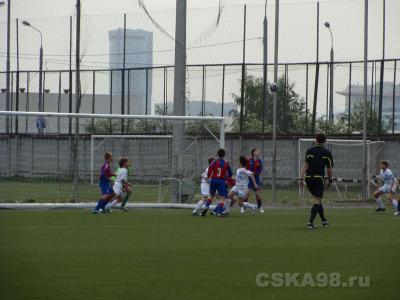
(254, 181)
(302, 173)
(330, 175)
(303, 170)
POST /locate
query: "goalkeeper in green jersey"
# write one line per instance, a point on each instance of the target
(128, 190)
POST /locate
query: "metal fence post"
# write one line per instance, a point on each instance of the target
(306, 127)
(349, 102)
(394, 97)
(242, 93)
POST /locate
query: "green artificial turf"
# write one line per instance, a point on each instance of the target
(168, 254)
(25, 190)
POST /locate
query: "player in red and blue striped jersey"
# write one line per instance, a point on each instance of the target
(218, 171)
(255, 165)
(107, 192)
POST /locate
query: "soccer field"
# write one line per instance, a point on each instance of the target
(38, 191)
(168, 254)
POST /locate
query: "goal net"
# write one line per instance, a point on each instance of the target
(41, 161)
(348, 166)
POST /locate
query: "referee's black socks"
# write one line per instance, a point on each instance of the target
(321, 213)
(314, 211)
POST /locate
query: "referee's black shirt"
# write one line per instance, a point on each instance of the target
(318, 158)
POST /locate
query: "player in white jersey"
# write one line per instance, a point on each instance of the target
(387, 186)
(240, 190)
(204, 189)
(121, 185)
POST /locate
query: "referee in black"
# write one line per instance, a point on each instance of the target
(313, 173)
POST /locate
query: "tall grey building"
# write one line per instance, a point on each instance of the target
(390, 102)
(139, 54)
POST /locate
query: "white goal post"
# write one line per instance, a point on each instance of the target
(160, 147)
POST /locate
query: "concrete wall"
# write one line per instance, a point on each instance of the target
(48, 156)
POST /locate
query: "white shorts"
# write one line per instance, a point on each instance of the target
(205, 189)
(118, 189)
(388, 189)
(241, 192)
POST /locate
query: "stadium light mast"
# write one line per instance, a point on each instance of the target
(3, 3)
(274, 100)
(365, 102)
(332, 54)
(179, 93)
(40, 103)
(265, 62)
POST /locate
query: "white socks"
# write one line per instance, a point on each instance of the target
(199, 205)
(379, 202)
(395, 204)
(112, 204)
(248, 205)
(227, 205)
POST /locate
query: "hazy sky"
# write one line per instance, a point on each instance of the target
(297, 29)
(55, 8)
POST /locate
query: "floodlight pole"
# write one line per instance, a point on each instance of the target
(365, 164)
(40, 100)
(179, 93)
(331, 114)
(77, 102)
(275, 102)
(8, 102)
(265, 68)
(243, 82)
(382, 71)
(314, 110)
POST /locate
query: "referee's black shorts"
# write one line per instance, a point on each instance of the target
(316, 186)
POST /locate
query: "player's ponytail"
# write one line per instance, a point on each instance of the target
(243, 161)
(122, 162)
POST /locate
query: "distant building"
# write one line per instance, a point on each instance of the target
(139, 54)
(357, 98)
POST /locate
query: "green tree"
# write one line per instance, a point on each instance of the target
(291, 108)
(341, 124)
(130, 127)
(192, 128)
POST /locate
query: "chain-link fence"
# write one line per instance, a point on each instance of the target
(127, 68)
(303, 97)
(51, 165)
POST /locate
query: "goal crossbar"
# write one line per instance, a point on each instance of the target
(220, 120)
(342, 143)
(109, 116)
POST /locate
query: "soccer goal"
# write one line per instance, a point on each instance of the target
(348, 166)
(143, 150)
(168, 154)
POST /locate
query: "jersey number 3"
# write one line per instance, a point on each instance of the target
(219, 170)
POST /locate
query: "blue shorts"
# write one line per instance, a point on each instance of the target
(218, 185)
(106, 188)
(251, 185)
